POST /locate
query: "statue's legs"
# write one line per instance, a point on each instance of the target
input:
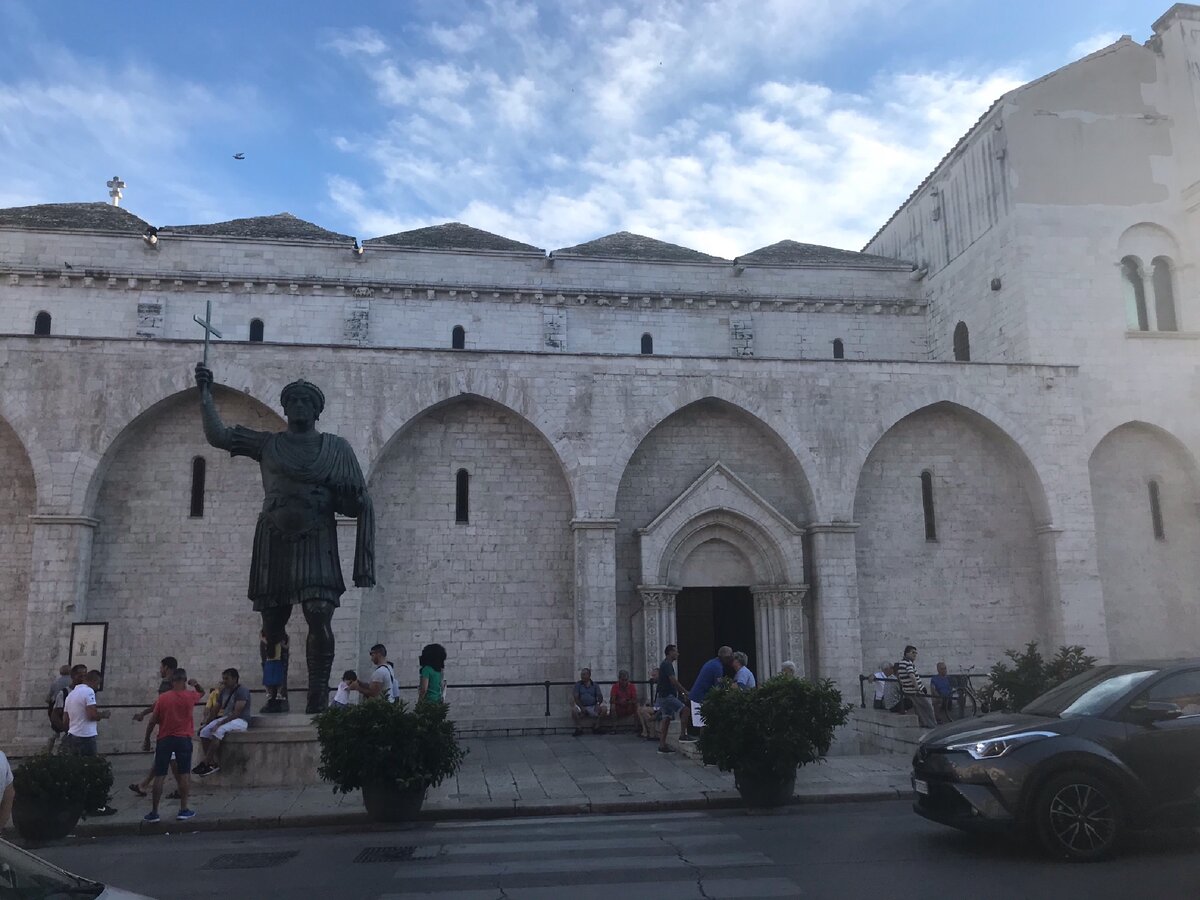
(274, 623)
(319, 615)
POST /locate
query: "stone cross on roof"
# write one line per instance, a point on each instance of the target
(114, 189)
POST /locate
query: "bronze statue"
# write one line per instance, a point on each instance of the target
(308, 476)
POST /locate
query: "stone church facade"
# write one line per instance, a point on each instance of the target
(979, 431)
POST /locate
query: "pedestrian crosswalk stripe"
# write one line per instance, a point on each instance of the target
(673, 889)
(539, 866)
(559, 822)
(633, 842)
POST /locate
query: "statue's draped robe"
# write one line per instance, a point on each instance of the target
(295, 555)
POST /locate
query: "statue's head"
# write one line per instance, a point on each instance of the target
(302, 401)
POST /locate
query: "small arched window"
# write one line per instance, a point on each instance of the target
(462, 495)
(647, 345)
(458, 338)
(1156, 518)
(1136, 314)
(927, 505)
(197, 508)
(839, 349)
(41, 323)
(962, 343)
(1164, 294)
(256, 330)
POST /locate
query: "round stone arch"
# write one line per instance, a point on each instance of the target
(764, 560)
(505, 393)
(975, 409)
(93, 467)
(1145, 487)
(693, 390)
(24, 433)
(954, 550)
(170, 577)
(18, 504)
(484, 565)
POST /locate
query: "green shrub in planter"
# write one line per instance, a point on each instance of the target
(83, 781)
(52, 791)
(1031, 675)
(769, 731)
(380, 743)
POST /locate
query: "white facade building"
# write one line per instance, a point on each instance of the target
(801, 452)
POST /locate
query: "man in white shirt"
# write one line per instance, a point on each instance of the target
(82, 714)
(383, 679)
(6, 790)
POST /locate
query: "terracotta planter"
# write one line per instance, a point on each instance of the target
(37, 820)
(765, 791)
(388, 803)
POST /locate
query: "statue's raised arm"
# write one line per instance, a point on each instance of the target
(215, 431)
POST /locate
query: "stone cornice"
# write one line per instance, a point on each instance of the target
(595, 524)
(832, 528)
(51, 519)
(350, 289)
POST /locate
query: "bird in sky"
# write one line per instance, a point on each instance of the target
(239, 156)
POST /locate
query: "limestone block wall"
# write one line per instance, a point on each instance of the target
(170, 583)
(973, 591)
(1151, 583)
(495, 590)
(798, 432)
(17, 504)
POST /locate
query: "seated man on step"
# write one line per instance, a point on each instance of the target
(235, 716)
(587, 702)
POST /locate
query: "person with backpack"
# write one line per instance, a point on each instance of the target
(58, 692)
(383, 680)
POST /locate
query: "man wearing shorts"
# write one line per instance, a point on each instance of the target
(172, 714)
(671, 697)
(235, 716)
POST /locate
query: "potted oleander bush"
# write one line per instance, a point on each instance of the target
(51, 793)
(764, 734)
(392, 752)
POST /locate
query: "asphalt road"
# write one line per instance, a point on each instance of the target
(876, 850)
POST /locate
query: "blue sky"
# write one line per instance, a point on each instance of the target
(723, 126)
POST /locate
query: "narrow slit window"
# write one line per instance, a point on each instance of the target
(41, 323)
(962, 343)
(458, 338)
(647, 345)
(1156, 518)
(462, 495)
(927, 505)
(839, 349)
(198, 467)
(256, 330)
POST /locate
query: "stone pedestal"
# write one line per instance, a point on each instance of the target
(276, 751)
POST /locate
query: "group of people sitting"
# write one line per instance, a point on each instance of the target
(900, 689)
(653, 716)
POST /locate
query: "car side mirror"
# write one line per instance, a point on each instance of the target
(1155, 711)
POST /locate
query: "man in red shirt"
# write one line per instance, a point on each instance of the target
(173, 716)
(623, 699)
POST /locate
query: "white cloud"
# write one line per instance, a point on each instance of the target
(676, 120)
(1092, 43)
(359, 41)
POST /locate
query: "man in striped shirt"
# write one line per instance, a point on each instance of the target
(913, 689)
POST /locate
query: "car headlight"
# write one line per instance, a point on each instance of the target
(992, 748)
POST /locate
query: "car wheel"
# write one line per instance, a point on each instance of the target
(1078, 816)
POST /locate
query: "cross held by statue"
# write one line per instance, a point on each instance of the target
(206, 324)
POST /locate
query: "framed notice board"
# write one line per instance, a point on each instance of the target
(89, 645)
